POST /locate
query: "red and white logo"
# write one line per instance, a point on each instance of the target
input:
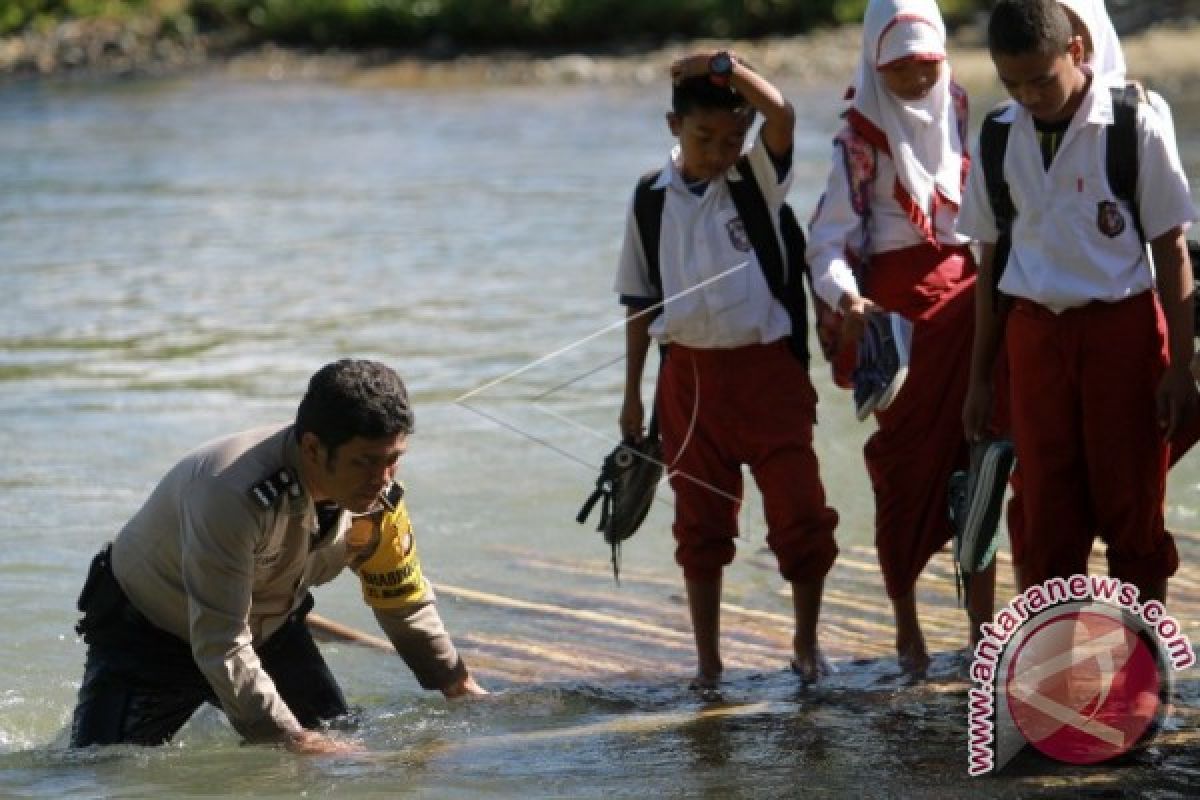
(1078, 667)
(1084, 686)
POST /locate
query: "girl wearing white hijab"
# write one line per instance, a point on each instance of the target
(883, 237)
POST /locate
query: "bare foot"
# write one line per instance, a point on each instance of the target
(910, 644)
(705, 680)
(966, 665)
(913, 659)
(811, 666)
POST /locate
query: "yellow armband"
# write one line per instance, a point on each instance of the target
(385, 559)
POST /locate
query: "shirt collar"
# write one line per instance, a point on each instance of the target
(668, 171)
(1098, 104)
(673, 172)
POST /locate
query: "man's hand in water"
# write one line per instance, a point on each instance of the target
(467, 687)
(313, 743)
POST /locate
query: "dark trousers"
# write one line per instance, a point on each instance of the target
(140, 684)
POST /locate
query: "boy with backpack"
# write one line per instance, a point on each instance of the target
(1102, 54)
(706, 270)
(1099, 384)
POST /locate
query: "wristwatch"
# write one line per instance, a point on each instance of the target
(720, 68)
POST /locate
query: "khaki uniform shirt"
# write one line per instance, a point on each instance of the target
(227, 546)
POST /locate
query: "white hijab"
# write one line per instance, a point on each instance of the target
(1107, 61)
(922, 135)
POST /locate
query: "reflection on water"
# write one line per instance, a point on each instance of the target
(179, 256)
(861, 734)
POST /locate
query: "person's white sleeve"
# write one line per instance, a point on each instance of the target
(835, 227)
(1164, 200)
(976, 218)
(1159, 104)
(633, 274)
(220, 530)
(774, 175)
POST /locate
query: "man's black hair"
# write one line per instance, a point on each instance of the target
(699, 91)
(1018, 27)
(354, 397)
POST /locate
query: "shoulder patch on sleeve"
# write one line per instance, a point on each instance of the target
(267, 492)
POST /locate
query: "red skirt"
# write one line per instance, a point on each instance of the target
(920, 441)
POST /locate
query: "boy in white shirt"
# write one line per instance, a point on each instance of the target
(1099, 383)
(731, 391)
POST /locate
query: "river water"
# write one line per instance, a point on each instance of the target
(178, 256)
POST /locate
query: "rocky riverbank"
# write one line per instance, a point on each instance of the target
(1165, 56)
(104, 47)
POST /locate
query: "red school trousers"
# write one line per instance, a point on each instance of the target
(920, 442)
(720, 409)
(1093, 459)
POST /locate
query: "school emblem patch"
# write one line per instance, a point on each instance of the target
(1109, 219)
(737, 235)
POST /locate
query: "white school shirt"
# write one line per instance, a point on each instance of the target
(836, 227)
(716, 294)
(1068, 248)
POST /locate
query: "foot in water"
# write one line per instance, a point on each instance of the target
(913, 658)
(966, 663)
(811, 667)
(705, 681)
(706, 687)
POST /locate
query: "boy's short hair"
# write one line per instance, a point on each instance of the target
(699, 91)
(354, 397)
(1017, 27)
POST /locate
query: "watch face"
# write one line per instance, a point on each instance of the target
(720, 64)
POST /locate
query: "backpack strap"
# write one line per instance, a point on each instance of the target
(993, 142)
(1121, 149)
(793, 298)
(752, 208)
(783, 265)
(1194, 256)
(860, 160)
(647, 213)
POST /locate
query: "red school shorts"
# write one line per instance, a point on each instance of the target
(755, 406)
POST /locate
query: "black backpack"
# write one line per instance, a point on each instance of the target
(1121, 165)
(784, 271)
